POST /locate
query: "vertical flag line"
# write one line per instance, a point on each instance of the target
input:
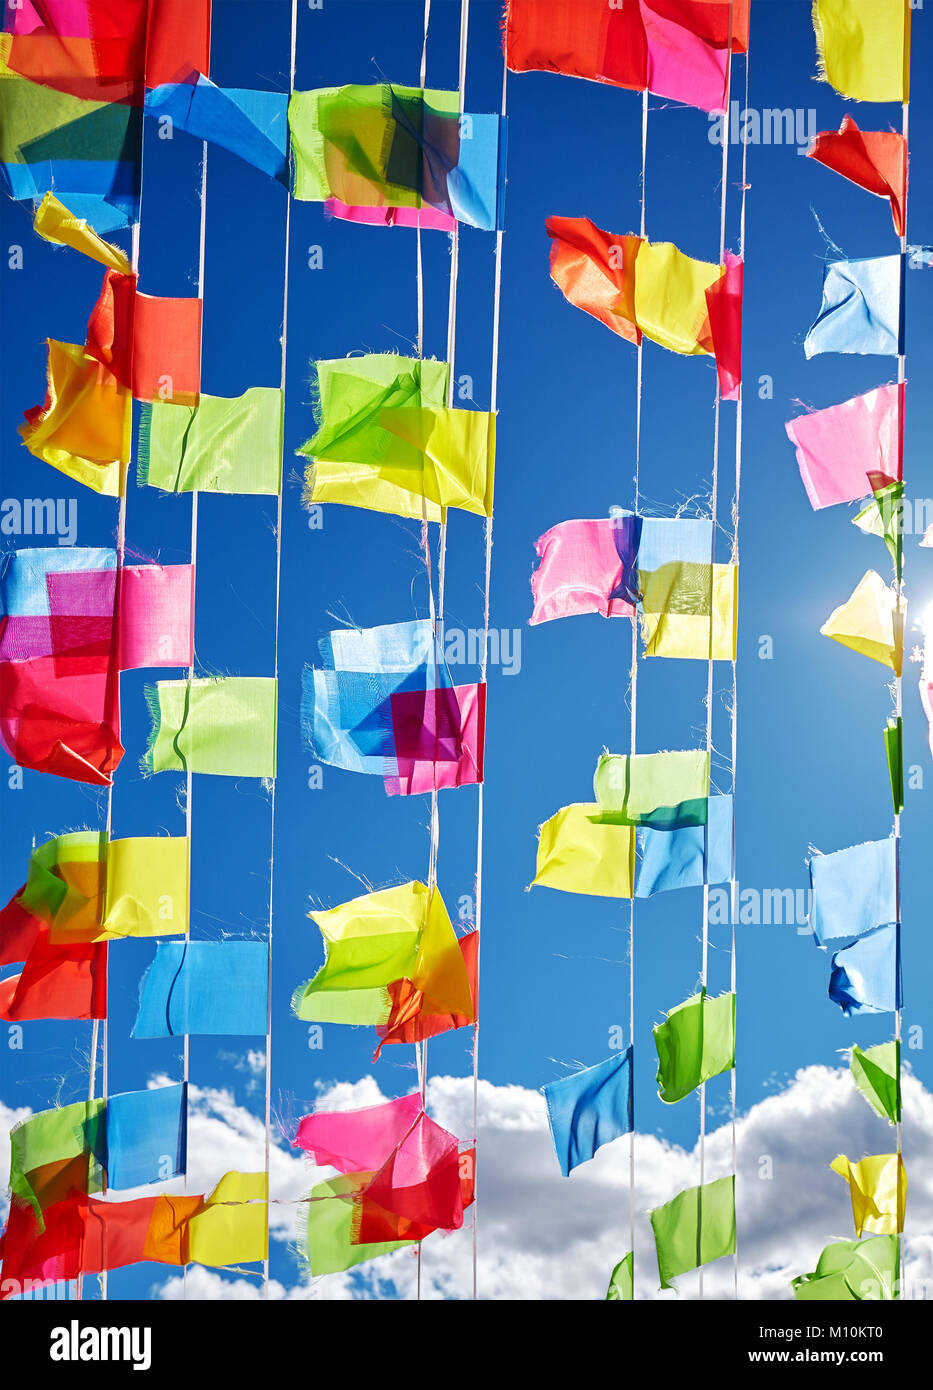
(714, 510)
(633, 693)
(493, 406)
(898, 680)
(279, 514)
(734, 714)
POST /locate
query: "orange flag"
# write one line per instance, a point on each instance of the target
(874, 159)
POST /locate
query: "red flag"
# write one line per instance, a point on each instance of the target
(874, 159)
(56, 982)
(152, 345)
(414, 1016)
(596, 271)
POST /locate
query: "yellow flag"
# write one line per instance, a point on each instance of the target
(54, 223)
(871, 622)
(232, 1224)
(578, 854)
(670, 296)
(83, 427)
(677, 624)
(878, 1187)
(864, 47)
(147, 887)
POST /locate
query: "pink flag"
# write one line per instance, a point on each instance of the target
(724, 306)
(580, 569)
(847, 451)
(439, 738)
(429, 219)
(155, 616)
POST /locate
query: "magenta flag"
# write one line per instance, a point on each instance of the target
(848, 451)
(439, 738)
(580, 569)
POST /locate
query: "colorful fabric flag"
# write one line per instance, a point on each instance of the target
(66, 725)
(866, 976)
(121, 1142)
(224, 726)
(664, 790)
(580, 571)
(54, 223)
(74, 605)
(416, 1015)
(209, 988)
(871, 622)
(252, 125)
(894, 752)
(86, 888)
(220, 445)
(88, 151)
(688, 609)
(864, 47)
(635, 286)
(387, 146)
(383, 703)
(685, 857)
(380, 939)
(622, 1281)
(874, 159)
(673, 50)
(386, 440)
(327, 1220)
(878, 1187)
(853, 1271)
(695, 1042)
(55, 982)
(151, 345)
(846, 451)
(877, 1074)
(694, 1228)
(428, 219)
(884, 517)
(86, 1235)
(83, 427)
(414, 1162)
(579, 852)
(590, 1108)
(853, 890)
(861, 308)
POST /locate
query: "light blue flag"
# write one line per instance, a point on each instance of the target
(217, 988)
(24, 588)
(590, 1108)
(146, 1136)
(860, 310)
(687, 857)
(854, 890)
(252, 125)
(866, 976)
(476, 186)
(346, 707)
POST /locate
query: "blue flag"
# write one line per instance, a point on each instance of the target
(590, 1108)
(854, 890)
(686, 857)
(860, 310)
(217, 988)
(866, 976)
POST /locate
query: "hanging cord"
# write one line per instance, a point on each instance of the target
(279, 512)
(734, 713)
(493, 406)
(898, 680)
(714, 510)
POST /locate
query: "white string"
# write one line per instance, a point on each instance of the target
(898, 682)
(267, 1145)
(493, 406)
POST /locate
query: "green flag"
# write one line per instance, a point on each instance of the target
(53, 1152)
(664, 790)
(695, 1041)
(695, 1227)
(225, 726)
(877, 1074)
(894, 751)
(853, 1271)
(219, 445)
(325, 1227)
(622, 1283)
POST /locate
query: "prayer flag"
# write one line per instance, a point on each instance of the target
(151, 345)
(326, 1223)
(861, 308)
(878, 1187)
(686, 856)
(55, 982)
(853, 1270)
(579, 852)
(877, 1074)
(54, 223)
(252, 125)
(864, 47)
(590, 1108)
(694, 1228)
(866, 976)
(218, 445)
(622, 1282)
(695, 1042)
(225, 726)
(416, 1014)
(874, 159)
(871, 622)
(853, 890)
(83, 426)
(845, 451)
(580, 571)
(213, 988)
(665, 790)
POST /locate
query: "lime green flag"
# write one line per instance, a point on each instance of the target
(665, 790)
(877, 1074)
(696, 1041)
(225, 726)
(622, 1282)
(53, 1152)
(894, 752)
(219, 445)
(325, 1227)
(883, 516)
(853, 1271)
(694, 1228)
(577, 853)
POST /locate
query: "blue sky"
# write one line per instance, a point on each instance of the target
(811, 768)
